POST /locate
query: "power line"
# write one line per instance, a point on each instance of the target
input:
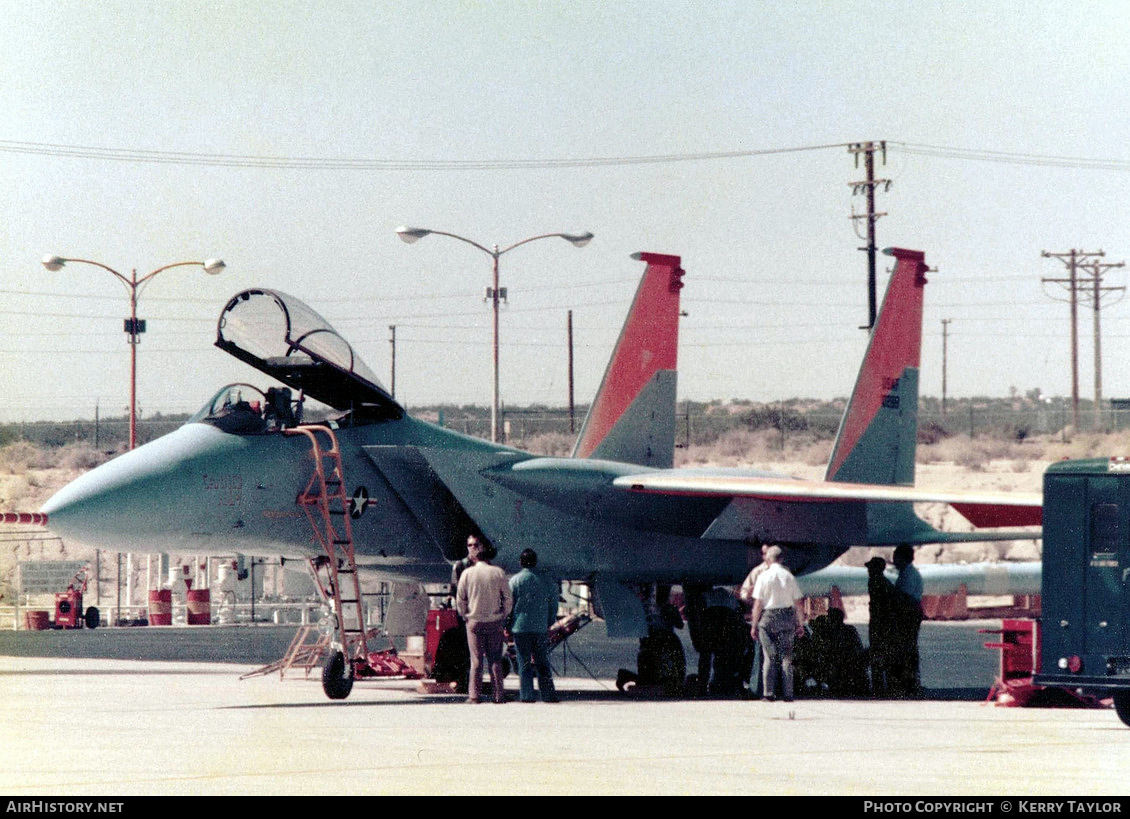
(135, 155)
(138, 155)
(1013, 158)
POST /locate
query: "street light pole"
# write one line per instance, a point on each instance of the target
(133, 326)
(410, 235)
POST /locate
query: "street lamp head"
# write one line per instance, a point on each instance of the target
(579, 241)
(410, 234)
(214, 266)
(54, 263)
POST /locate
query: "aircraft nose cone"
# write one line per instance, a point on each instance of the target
(138, 500)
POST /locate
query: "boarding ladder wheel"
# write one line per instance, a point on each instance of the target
(327, 509)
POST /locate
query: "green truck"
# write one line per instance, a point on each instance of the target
(1085, 623)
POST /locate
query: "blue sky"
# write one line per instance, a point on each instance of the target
(449, 106)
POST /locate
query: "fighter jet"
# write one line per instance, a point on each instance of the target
(376, 487)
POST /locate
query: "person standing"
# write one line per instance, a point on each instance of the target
(535, 609)
(483, 599)
(881, 648)
(745, 594)
(746, 591)
(909, 581)
(908, 620)
(777, 621)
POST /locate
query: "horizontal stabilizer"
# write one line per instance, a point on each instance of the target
(1008, 508)
(993, 514)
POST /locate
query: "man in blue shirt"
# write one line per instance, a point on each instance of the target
(535, 609)
(908, 621)
(909, 581)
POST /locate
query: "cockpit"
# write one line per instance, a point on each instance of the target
(282, 337)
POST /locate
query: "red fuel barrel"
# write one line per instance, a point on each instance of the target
(37, 620)
(199, 607)
(161, 607)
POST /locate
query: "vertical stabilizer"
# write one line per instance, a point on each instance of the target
(878, 434)
(632, 418)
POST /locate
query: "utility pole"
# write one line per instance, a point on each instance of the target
(867, 187)
(1096, 295)
(572, 422)
(392, 341)
(945, 359)
(1073, 259)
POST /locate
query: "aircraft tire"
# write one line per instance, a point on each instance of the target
(92, 618)
(337, 678)
(1122, 706)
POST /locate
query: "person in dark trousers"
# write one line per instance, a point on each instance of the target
(907, 610)
(879, 591)
(483, 600)
(535, 609)
(745, 594)
(719, 635)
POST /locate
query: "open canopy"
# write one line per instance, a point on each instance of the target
(279, 335)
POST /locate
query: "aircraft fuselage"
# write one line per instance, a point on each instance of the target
(201, 490)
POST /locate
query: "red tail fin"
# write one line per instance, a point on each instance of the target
(632, 418)
(878, 434)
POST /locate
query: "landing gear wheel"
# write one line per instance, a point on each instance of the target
(1122, 706)
(337, 676)
(92, 618)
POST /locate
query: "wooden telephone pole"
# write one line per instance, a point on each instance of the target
(867, 187)
(1074, 260)
(1097, 291)
(945, 358)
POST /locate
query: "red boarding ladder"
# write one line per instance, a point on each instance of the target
(327, 508)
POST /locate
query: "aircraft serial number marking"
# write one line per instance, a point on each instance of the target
(228, 488)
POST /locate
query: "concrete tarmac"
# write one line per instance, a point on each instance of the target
(91, 726)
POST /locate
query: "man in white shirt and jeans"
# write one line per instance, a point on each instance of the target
(777, 620)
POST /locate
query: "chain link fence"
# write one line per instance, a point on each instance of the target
(697, 424)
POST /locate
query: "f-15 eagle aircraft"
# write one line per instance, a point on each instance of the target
(401, 495)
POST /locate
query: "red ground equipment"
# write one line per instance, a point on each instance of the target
(438, 622)
(1020, 657)
(68, 605)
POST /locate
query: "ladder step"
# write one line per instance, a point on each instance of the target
(334, 505)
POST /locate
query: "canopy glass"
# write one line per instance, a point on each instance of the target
(281, 336)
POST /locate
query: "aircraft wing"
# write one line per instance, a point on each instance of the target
(982, 509)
